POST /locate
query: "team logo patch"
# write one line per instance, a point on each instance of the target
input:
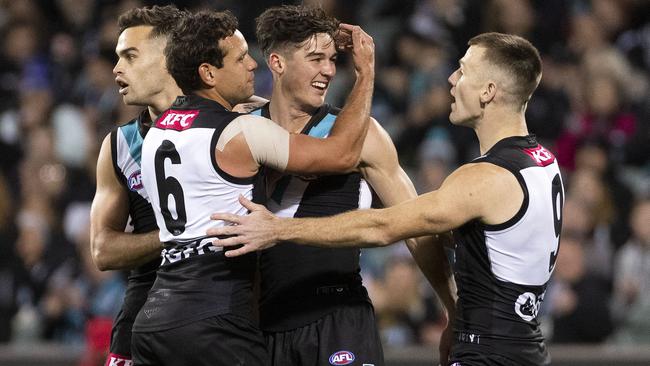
(176, 119)
(540, 155)
(527, 306)
(341, 358)
(135, 181)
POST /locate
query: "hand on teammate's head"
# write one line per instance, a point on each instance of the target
(355, 40)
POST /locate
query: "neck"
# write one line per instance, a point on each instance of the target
(498, 125)
(214, 95)
(163, 101)
(287, 112)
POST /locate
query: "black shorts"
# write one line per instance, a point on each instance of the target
(481, 359)
(134, 298)
(224, 340)
(345, 335)
(120, 349)
(500, 354)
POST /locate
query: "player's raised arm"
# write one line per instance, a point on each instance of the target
(342, 149)
(251, 141)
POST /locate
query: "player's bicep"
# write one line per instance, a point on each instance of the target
(267, 142)
(272, 146)
(459, 197)
(110, 204)
(313, 155)
(476, 191)
(455, 203)
(380, 167)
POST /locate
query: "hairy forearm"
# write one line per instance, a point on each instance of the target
(113, 250)
(362, 228)
(429, 254)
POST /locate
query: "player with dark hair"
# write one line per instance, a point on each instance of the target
(200, 155)
(505, 208)
(144, 81)
(314, 309)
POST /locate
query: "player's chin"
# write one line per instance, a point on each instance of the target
(456, 120)
(248, 92)
(316, 100)
(127, 100)
(131, 99)
(453, 118)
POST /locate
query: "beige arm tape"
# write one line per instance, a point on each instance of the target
(268, 142)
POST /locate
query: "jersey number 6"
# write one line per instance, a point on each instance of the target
(170, 186)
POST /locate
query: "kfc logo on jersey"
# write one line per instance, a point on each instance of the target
(117, 360)
(541, 156)
(135, 181)
(177, 120)
(341, 358)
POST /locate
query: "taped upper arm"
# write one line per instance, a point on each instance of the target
(268, 142)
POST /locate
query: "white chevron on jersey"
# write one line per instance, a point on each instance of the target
(530, 235)
(129, 143)
(205, 191)
(293, 195)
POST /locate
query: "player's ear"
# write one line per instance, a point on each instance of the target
(207, 74)
(277, 62)
(488, 93)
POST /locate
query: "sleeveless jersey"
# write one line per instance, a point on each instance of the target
(126, 147)
(185, 186)
(502, 270)
(300, 284)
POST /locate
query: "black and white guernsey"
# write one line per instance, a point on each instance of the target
(300, 284)
(502, 270)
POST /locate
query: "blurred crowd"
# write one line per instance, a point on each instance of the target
(58, 99)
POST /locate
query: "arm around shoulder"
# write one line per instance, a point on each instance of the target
(461, 198)
(455, 203)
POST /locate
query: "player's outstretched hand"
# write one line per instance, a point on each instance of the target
(355, 40)
(253, 231)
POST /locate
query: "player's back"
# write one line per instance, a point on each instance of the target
(185, 186)
(502, 270)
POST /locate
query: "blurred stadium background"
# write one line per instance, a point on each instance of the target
(58, 100)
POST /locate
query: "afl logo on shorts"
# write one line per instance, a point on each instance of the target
(342, 358)
(135, 181)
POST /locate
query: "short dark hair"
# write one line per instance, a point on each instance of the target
(516, 56)
(195, 41)
(281, 25)
(163, 19)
